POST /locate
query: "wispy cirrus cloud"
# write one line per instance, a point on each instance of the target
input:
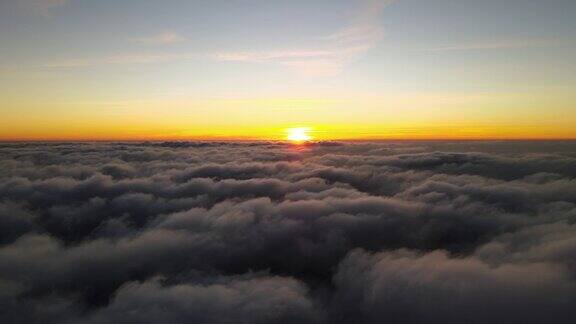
(41, 7)
(495, 45)
(268, 56)
(329, 57)
(120, 59)
(333, 52)
(164, 38)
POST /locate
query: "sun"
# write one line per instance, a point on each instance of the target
(298, 134)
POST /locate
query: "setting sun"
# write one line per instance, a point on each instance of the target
(298, 134)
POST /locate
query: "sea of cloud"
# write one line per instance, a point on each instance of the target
(333, 232)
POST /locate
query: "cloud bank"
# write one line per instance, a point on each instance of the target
(209, 232)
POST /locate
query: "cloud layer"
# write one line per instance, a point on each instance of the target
(264, 232)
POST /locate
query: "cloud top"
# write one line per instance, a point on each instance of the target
(245, 232)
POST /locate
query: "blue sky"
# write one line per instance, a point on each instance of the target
(79, 51)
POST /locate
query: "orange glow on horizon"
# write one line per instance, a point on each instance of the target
(297, 135)
(400, 116)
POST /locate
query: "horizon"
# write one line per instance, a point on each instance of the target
(288, 142)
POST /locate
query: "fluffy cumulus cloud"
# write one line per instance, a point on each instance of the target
(206, 232)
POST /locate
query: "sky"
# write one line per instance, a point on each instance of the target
(250, 69)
